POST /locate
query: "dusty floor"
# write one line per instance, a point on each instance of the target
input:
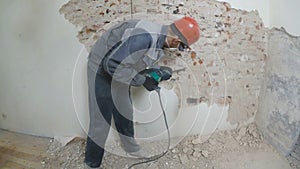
(18, 151)
(238, 149)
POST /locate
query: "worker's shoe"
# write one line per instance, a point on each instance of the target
(90, 165)
(93, 154)
(138, 154)
(129, 144)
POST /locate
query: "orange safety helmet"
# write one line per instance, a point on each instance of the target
(186, 29)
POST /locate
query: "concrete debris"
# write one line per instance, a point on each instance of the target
(242, 131)
(69, 156)
(189, 152)
(63, 140)
(197, 154)
(197, 141)
(204, 153)
(153, 166)
(43, 162)
(184, 159)
(212, 142)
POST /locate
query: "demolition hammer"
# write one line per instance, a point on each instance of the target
(167, 72)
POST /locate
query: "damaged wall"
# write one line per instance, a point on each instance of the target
(263, 8)
(278, 115)
(39, 51)
(224, 70)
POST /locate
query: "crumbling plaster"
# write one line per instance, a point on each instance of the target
(278, 116)
(227, 65)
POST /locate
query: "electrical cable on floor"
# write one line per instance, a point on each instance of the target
(131, 9)
(156, 157)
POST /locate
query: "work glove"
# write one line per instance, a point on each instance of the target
(154, 76)
(150, 83)
(163, 73)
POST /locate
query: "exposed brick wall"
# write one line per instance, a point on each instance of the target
(227, 64)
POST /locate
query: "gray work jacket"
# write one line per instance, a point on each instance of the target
(128, 48)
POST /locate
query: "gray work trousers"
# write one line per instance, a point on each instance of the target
(105, 103)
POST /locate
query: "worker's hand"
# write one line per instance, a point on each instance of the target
(159, 74)
(150, 83)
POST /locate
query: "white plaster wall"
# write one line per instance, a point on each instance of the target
(262, 6)
(38, 52)
(274, 13)
(285, 13)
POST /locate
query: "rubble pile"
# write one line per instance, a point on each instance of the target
(193, 152)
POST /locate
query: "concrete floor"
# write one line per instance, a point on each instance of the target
(18, 151)
(265, 159)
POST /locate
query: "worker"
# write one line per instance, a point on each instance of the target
(127, 55)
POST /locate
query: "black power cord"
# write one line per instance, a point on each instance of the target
(156, 157)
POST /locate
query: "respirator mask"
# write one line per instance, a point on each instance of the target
(181, 47)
